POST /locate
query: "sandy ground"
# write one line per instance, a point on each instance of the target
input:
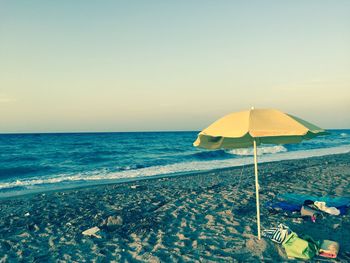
(204, 217)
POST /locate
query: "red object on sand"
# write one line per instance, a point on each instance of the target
(329, 249)
(328, 255)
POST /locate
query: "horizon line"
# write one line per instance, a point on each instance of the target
(94, 132)
(87, 132)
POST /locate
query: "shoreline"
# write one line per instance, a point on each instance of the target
(102, 182)
(203, 216)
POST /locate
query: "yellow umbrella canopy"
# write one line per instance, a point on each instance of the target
(254, 127)
(269, 126)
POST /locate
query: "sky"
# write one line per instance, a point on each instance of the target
(70, 66)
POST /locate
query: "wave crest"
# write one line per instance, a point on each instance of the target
(261, 150)
(101, 175)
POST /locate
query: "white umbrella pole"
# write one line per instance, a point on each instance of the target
(257, 189)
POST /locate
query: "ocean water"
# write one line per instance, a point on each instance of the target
(39, 162)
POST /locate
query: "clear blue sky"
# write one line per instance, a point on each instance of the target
(170, 65)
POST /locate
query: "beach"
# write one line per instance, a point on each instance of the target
(199, 217)
(174, 131)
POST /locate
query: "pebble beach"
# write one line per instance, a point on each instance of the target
(198, 217)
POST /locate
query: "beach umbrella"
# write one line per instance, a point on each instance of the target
(254, 127)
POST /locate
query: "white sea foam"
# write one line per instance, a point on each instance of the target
(171, 168)
(343, 134)
(261, 150)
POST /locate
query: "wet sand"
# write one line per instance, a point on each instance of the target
(204, 217)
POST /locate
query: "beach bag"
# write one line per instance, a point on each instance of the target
(329, 249)
(310, 211)
(297, 247)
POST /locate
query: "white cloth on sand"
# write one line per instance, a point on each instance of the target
(330, 210)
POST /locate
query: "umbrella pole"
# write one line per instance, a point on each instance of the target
(257, 189)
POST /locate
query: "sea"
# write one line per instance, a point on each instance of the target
(39, 162)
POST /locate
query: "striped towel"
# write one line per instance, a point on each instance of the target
(277, 234)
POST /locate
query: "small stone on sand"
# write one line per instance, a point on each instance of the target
(114, 221)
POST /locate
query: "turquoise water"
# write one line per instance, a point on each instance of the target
(38, 162)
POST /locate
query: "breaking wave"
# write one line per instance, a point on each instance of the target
(261, 150)
(66, 180)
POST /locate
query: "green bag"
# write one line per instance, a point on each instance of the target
(297, 247)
